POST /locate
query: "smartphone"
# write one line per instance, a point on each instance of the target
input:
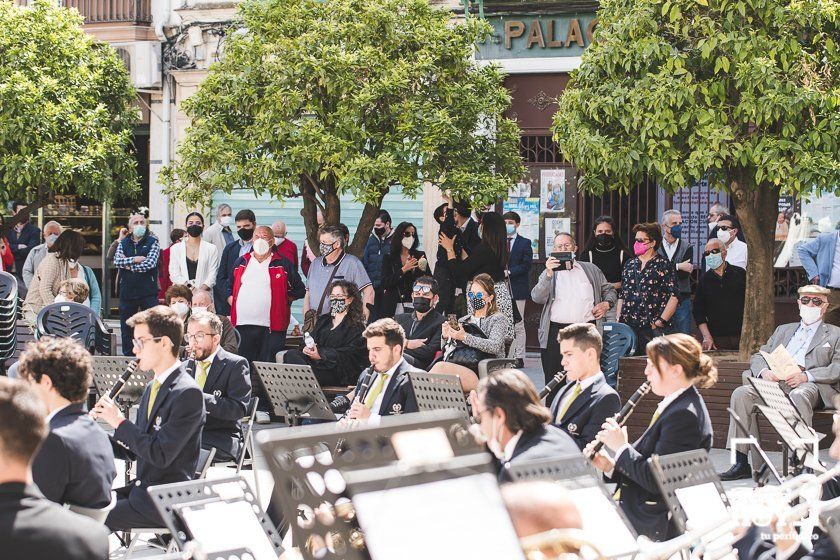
(453, 321)
(565, 259)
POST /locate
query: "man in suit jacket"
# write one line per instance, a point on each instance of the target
(680, 253)
(166, 438)
(75, 465)
(519, 271)
(246, 222)
(815, 346)
(423, 325)
(821, 258)
(586, 401)
(226, 382)
(32, 527)
(514, 424)
(218, 233)
(389, 387)
(23, 237)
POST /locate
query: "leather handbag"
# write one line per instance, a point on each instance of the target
(467, 356)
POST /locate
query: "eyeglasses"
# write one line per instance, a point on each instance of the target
(475, 294)
(197, 337)
(805, 300)
(712, 252)
(421, 289)
(565, 246)
(641, 240)
(724, 228)
(408, 234)
(139, 342)
(337, 298)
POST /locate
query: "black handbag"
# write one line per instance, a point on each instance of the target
(467, 356)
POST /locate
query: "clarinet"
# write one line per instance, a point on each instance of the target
(190, 367)
(119, 385)
(623, 414)
(551, 385)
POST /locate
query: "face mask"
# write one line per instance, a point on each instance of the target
(421, 304)
(226, 221)
(379, 231)
(712, 225)
(408, 242)
(278, 240)
(195, 230)
(478, 303)
(198, 309)
(60, 299)
(72, 263)
(510, 228)
(604, 240)
(493, 443)
(51, 239)
(810, 315)
(676, 231)
(326, 248)
(714, 261)
(723, 236)
(180, 308)
(245, 234)
(261, 246)
(139, 231)
(337, 306)
(639, 248)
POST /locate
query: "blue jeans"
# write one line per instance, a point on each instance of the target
(681, 321)
(128, 307)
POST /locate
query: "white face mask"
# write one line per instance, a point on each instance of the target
(712, 225)
(261, 246)
(226, 221)
(180, 308)
(72, 263)
(723, 235)
(810, 315)
(198, 309)
(60, 299)
(408, 242)
(278, 240)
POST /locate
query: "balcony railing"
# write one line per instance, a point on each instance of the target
(112, 11)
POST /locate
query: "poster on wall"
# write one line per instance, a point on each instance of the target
(553, 227)
(529, 212)
(553, 190)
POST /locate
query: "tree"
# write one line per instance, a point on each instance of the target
(745, 91)
(68, 111)
(316, 99)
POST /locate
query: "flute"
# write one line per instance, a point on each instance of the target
(623, 414)
(551, 385)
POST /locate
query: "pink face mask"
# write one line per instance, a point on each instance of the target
(640, 248)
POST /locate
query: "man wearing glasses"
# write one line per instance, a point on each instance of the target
(422, 326)
(719, 300)
(165, 439)
(226, 382)
(727, 231)
(815, 347)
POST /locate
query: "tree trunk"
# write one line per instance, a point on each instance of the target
(309, 213)
(23, 216)
(365, 226)
(757, 208)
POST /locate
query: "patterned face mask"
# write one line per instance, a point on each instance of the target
(337, 306)
(477, 301)
(326, 248)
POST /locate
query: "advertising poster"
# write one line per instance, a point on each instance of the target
(553, 190)
(554, 226)
(529, 211)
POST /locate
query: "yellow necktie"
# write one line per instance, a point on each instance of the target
(152, 395)
(202, 376)
(575, 392)
(655, 417)
(376, 389)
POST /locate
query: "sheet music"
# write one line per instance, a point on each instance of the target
(222, 526)
(600, 517)
(461, 517)
(781, 363)
(702, 504)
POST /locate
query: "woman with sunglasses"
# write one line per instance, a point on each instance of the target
(400, 269)
(338, 352)
(648, 296)
(485, 315)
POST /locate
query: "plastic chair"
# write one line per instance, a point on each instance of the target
(8, 286)
(98, 515)
(9, 310)
(619, 341)
(74, 320)
(485, 367)
(247, 444)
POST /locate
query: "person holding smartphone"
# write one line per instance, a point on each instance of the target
(571, 292)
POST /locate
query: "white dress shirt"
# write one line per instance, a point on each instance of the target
(507, 452)
(253, 301)
(736, 253)
(161, 378)
(585, 384)
(799, 343)
(670, 248)
(375, 411)
(573, 296)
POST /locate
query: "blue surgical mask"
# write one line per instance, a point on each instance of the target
(511, 229)
(138, 231)
(714, 260)
(676, 231)
(51, 239)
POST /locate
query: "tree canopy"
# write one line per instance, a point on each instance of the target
(68, 111)
(317, 99)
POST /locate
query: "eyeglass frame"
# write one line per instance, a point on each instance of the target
(807, 300)
(139, 342)
(712, 252)
(188, 336)
(422, 289)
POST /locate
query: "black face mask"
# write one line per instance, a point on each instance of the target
(421, 304)
(379, 231)
(604, 240)
(245, 234)
(195, 230)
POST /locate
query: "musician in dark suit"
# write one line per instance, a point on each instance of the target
(586, 401)
(514, 423)
(681, 422)
(32, 527)
(166, 438)
(226, 381)
(423, 325)
(75, 465)
(389, 388)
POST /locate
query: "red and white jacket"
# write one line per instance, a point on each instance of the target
(286, 286)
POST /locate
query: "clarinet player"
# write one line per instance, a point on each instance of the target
(676, 365)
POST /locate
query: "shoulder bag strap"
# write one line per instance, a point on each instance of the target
(326, 289)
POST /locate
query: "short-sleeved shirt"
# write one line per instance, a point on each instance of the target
(645, 291)
(349, 268)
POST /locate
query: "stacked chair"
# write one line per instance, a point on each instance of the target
(8, 318)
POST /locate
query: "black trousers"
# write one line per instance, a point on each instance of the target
(260, 344)
(324, 375)
(643, 336)
(551, 358)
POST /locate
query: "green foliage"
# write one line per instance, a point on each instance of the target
(739, 88)
(66, 108)
(348, 96)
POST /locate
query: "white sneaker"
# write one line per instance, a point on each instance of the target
(263, 417)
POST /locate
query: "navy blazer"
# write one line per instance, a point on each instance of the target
(587, 413)
(30, 236)
(227, 392)
(683, 426)
(519, 264)
(399, 395)
(166, 445)
(429, 328)
(75, 464)
(548, 442)
(224, 277)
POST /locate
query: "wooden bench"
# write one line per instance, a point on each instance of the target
(631, 375)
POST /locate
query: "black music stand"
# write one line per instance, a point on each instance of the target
(106, 371)
(684, 470)
(438, 392)
(309, 474)
(172, 501)
(800, 442)
(576, 474)
(294, 392)
(768, 465)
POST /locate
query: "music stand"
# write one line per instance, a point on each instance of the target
(798, 438)
(768, 465)
(576, 474)
(679, 471)
(294, 392)
(309, 474)
(174, 500)
(438, 392)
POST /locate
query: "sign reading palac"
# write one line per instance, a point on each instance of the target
(538, 36)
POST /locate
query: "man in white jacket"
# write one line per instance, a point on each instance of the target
(219, 233)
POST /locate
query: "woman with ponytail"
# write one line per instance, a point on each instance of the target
(676, 366)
